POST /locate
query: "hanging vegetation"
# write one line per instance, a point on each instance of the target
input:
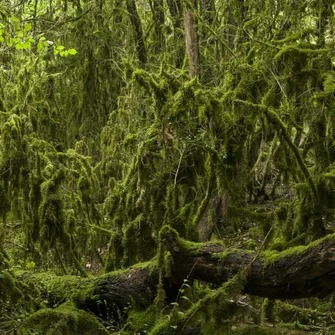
(154, 155)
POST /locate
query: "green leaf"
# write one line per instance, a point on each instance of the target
(60, 47)
(39, 46)
(26, 45)
(72, 51)
(185, 298)
(30, 265)
(20, 33)
(28, 27)
(15, 19)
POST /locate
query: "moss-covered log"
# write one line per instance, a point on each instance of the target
(115, 292)
(298, 272)
(305, 271)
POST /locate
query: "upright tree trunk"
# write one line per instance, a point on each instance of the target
(208, 12)
(138, 32)
(192, 39)
(158, 19)
(175, 9)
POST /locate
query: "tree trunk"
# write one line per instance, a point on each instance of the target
(158, 19)
(192, 39)
(138, 32)
(175, 9)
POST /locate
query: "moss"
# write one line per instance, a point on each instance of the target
(64, 320)
(55, 290)
(9, 287)
(280, 243)
(273, 256)
(294, 50)
(139, 322)
(171, 236)
(289, 313)
(221, 256)
(266, 311)
(256, 330)
(176, 322)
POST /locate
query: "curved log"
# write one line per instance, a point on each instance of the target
(296, 273)
(117, 291)
(306, 271)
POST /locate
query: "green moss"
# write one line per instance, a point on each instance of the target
(280, 243)
(221, 256)
(169, 234)
(256, 330)
(266, 305)
(57, 289)
(64, 320)
(9, 287)
(273, 256)
(177, 321)
(294, 50)
(139, 322)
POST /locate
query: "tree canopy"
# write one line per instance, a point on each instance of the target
(167, 166)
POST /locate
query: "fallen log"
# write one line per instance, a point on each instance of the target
(307, 271)
(300, 272)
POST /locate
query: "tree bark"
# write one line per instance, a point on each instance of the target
(192, 39)
(307, 272)
(176, 12)
(138, 32)
(159, 20)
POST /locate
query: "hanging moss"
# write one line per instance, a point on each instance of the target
(96, 152)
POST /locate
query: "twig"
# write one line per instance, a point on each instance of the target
(261, 247)
(192, 269)
(281, 88)
(106, 231)
(18, 245)
(179, 163)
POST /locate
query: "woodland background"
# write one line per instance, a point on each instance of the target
(160, 132)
